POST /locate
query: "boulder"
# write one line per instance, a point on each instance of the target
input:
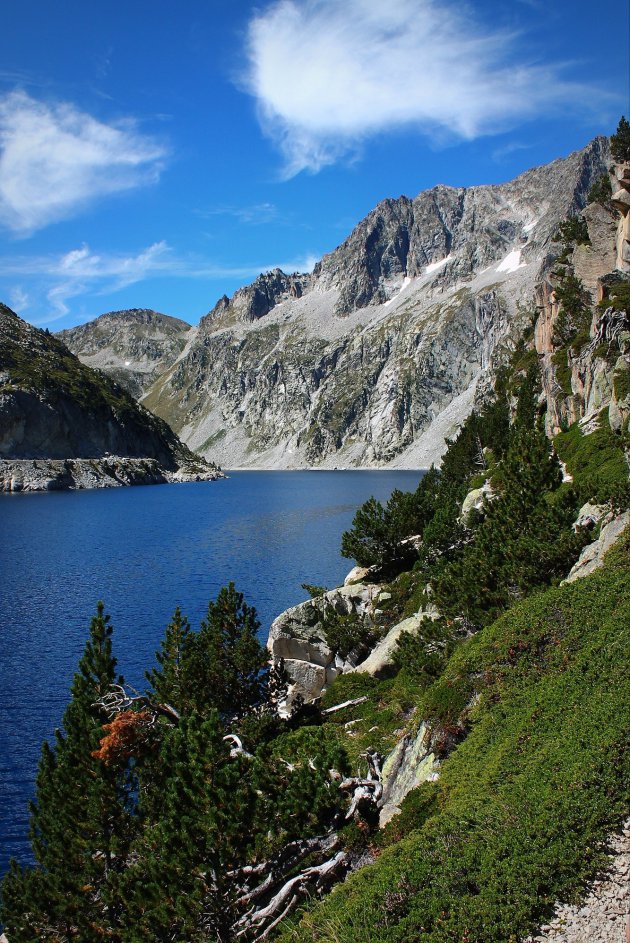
(356, 575)
(382, 656)
(475, 500)
(298, 637)
(592, 556)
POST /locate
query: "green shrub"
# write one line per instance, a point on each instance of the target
(521, 810)
(596, 462)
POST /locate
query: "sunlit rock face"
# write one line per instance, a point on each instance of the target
(376, 356)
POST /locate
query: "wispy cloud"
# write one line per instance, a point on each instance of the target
(56, 279)
(55, 159)
(256, 215)
(326, 75)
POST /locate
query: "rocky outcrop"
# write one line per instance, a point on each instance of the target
(584, 344)
(134, 346)
(22, 475)
(54, 408)
(592, 556)
(256, 300)
(298, 637)
(374, 358)
(411, 763)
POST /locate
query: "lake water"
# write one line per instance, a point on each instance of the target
(144, 551)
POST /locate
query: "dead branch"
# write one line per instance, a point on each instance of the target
(338, 707)
(118, 699)
(237, 749)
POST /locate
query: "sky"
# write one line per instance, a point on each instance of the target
(160, 155)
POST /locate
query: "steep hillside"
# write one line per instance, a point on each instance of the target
(53, 407)
(134, 347)
(375, 357)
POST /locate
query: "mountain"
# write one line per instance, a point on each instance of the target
(54, 409)
(133, 346)
(378, 354)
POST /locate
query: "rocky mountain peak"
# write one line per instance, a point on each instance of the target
(256, 300)
(134, 345)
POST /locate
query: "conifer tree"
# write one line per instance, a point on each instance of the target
(81, 825)
(620, 141)
(227, 668)
(170, 680)
(179, 887)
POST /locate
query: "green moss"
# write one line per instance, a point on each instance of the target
(596, 461)
(562, 370)
(518, 817)
(621, 384)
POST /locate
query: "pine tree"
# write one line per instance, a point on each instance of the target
(80, 820)
(620, 141)
(227, 668)
(180, 889)
(169, 681)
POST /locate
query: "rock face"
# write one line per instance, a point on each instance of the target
(585, 370)
(592, 556)
(53, 407)
(375, 357)
(298, 637)
(411, 763)
(134, 346)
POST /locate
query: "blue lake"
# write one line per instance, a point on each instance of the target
(144, 551)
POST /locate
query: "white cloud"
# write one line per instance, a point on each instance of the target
(327, 74)
(54, 159)
(80, 272)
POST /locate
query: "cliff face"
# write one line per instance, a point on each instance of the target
(53, 407)
(582, 333)
(376, 356)
(134, 346)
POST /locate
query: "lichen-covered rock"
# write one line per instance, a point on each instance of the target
(475, 500)
(411, 763)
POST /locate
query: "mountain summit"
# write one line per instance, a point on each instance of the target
(377, 355)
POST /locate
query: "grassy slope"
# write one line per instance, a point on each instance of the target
(523, 805)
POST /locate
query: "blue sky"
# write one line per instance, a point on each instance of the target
(159, 155)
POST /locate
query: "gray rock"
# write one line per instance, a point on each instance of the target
(592, 556)
(409, 765)
(297, 636)
(382, 656)
(377, 356)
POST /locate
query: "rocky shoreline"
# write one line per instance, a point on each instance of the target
(41, 474)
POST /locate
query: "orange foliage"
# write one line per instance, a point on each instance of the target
(126, 735)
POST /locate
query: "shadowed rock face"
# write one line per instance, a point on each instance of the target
(376, 356)
(54, 407)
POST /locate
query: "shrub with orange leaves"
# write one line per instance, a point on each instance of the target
(127, 734)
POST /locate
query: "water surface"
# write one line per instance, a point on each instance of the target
(144, 551)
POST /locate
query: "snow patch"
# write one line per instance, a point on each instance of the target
(406, 281)
(511, 262)
(434, 266)
(529, 226)
(127, 363)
